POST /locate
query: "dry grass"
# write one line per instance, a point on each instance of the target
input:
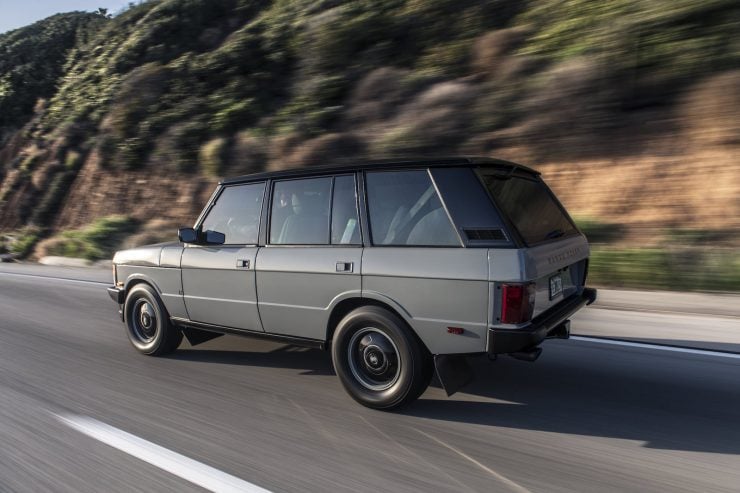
(648, 194)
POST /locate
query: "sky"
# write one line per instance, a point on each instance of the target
(19, 13)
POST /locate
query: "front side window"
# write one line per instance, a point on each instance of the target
(300, 212)
(405, 210)
(236, 214)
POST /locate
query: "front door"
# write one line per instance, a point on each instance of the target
(219, 285)
(313, 254)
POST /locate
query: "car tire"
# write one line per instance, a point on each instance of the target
(379, 360)
(148, 324)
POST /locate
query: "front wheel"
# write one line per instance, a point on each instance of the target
(148, 323)
(379, 361)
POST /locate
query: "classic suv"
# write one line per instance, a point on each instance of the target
(400, 268)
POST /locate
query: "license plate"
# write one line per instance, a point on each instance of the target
(556, 286)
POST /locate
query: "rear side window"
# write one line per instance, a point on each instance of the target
(236, 214)
(530, 206)
(300, 212)
(405, 209)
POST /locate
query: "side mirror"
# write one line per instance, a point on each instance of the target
(187, 235)
(214, 238)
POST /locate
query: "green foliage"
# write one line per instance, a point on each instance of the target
(73, 160)
(692, 269)
(46, 209)
(95, 242)
(598, 231)
(162, 78)
(213, 157)
(658, 44)
(694, 236)
(23, 241)
(32, 60)
(29, 163)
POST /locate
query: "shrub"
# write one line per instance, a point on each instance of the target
(598, 231)
(213, 156)
(95, 242)
(22, 243)
(693, 269)
(248, 154)
(73, 160)
(46, 210)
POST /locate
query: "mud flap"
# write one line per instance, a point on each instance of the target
(196, 336)
(453, 372)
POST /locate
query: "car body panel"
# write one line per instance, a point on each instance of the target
(166, 281)
(219, 287)
(171, 255)
(146, 256)
(299, 285)
(422, 281)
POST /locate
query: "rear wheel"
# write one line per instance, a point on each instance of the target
(148, 323)
(379, 361)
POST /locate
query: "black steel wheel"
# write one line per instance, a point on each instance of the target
(379, 361)
(148, 323)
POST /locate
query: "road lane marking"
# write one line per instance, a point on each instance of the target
(52, 278)
(188, 469)
(657, 347)
(508, 482)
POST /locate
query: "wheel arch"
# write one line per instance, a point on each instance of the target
(135, 279)
(345, 306)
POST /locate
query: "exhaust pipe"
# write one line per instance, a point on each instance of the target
(529, 355)
(562, 331)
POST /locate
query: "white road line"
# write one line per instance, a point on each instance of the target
(188, 469)
(508, 482)
(51, 278)
(658, 347)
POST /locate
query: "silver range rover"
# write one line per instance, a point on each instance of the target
(401, 269)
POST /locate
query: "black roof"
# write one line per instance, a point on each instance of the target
(382, 164)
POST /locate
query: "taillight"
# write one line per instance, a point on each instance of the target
(517, 303)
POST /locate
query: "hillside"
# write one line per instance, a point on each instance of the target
(630, 107)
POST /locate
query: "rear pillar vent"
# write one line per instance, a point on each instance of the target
(485, 234)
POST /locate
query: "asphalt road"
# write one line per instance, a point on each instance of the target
(585, 417)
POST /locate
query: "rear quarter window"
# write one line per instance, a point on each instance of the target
(405, 210)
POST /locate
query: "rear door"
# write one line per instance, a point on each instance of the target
(313, 254)
(218, 281)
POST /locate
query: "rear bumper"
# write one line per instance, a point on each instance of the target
(551, 324)
(116, 294)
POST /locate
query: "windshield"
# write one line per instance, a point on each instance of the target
(530, 206)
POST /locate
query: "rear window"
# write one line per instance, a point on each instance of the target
(530, 206)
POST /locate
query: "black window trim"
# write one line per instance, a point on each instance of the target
(444, 206)
(357, 210)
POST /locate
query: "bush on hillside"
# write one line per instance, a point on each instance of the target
(97, 241)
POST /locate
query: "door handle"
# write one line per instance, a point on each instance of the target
(345, 266)
(242, 263)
